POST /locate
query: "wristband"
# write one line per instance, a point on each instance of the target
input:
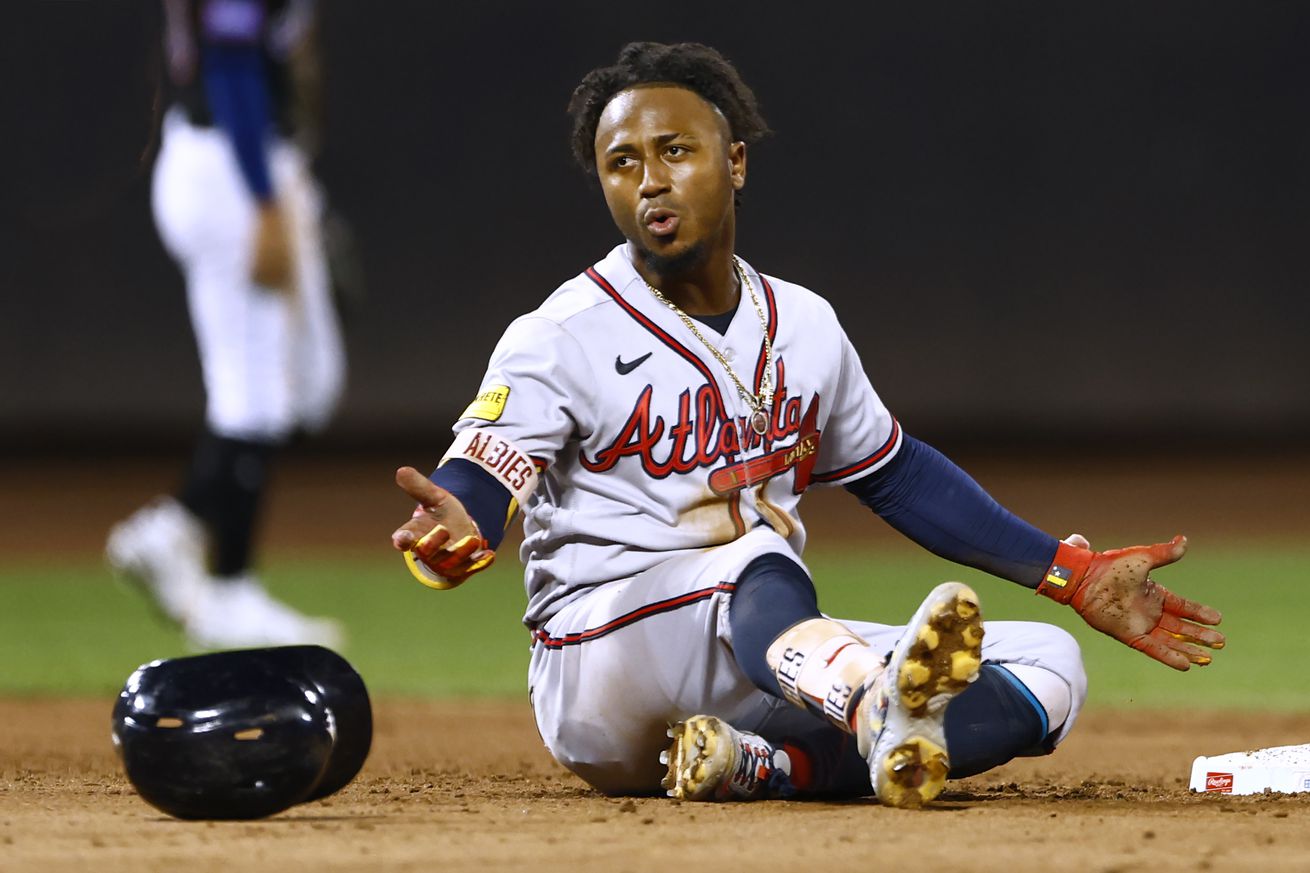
(1067, 569)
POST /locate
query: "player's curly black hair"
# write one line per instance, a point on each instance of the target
(691, 65)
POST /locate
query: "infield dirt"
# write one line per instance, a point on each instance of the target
(467, 786)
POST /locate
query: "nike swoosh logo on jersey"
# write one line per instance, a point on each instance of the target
(625, 369)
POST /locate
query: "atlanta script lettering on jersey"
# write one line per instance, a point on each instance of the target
(703, 434)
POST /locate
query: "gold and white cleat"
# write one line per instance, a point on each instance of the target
(711, 760)
(900, 721)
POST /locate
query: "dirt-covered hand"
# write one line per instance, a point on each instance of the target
(1113, 591)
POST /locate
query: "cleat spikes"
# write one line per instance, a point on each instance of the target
(964, 666)
(929, 637)
(902, 730)
(972, 637)
(710, 760)
(914, 700)
(915, 675)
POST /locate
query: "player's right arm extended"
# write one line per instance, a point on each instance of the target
(442, 543)
(534, 397)
(936, 504)
(477, 487)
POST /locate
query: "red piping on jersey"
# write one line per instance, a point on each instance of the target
(657, 608)
(734, 510)
(866, 463)
(773, 332)
(669, 341)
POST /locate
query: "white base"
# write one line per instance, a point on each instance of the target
(1282, 769)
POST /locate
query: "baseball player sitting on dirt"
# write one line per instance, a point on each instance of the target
(657, 419)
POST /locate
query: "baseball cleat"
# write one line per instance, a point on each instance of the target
(160, 550)
(240, 613)
(711, 760)
(900, 721)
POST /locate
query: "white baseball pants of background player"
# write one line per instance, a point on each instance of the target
(613, 669)
(272, 361)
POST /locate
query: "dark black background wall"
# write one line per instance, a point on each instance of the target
(1038, 220)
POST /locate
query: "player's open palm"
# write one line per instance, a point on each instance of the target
(441, 533)
(1113, 591)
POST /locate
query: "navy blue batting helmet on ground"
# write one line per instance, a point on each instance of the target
(242, 734)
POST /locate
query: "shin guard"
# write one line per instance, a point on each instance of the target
(821, 665)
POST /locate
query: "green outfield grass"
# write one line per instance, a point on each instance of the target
(73, 630)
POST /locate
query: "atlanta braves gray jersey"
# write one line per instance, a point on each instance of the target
(642, 438)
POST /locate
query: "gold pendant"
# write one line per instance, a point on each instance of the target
(760, 422)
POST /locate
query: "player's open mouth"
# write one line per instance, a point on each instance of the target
(661, 222)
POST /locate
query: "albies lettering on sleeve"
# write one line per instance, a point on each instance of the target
(506, 462)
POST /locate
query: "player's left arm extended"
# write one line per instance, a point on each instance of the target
(936, 504)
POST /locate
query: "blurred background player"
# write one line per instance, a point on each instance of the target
(237, 208)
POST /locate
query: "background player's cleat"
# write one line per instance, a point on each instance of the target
(240, 613)
(711, 760)
(900, 721)
(160, 549)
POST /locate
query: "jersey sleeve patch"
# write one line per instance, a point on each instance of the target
(489, 405)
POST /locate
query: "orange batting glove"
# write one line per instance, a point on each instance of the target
(441, 542)
(1113, 591)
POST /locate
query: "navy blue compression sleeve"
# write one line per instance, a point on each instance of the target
(484, 498)
(935, 503)
(239, 100)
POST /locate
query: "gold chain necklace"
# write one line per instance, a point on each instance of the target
(761, 404)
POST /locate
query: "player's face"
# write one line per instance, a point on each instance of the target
(669, 170)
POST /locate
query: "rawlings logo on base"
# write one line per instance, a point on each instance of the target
(1219, 782)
